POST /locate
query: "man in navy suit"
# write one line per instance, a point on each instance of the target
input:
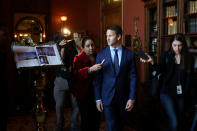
(115, 84)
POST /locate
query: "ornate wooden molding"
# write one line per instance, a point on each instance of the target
(137, 44)
(150, 3)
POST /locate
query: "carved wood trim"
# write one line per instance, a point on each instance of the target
(150, 3)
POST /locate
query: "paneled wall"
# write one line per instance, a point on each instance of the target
(133, 8)
(31, 6)
(6, 12)
(83, 15)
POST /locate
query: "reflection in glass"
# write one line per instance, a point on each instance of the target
(29, 25)
(29, 29)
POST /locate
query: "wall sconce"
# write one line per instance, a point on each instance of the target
(63, 18)
(170, 21)
(15, 36)
(44, 36)
(66, 32)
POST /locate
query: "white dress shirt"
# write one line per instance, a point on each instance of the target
(112, 50)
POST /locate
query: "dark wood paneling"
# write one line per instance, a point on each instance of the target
(31, 6)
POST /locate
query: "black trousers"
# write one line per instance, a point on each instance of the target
(90, 117)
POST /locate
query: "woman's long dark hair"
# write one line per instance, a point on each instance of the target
(185, 59)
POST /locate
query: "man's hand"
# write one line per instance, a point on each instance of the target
(99, 106)
(129, 105)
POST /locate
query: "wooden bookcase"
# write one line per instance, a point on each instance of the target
(151, 33)
(170, 17)
(177, 16)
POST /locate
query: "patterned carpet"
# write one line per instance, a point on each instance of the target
(26, 122)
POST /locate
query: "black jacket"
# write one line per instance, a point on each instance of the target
(167, 68)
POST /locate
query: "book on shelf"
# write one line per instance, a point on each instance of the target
(171, 11)
(192, 25)
(192, 7)
(193, 50)
(195, 24)
(167, 1)
(172, 28)
(195, 9)
(35, 56)
(169, 29)
(175, 27)
(154, 30)
(154, 45)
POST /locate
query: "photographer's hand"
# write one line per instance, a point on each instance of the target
(150, 59)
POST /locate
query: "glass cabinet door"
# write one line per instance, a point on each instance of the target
(169, 17)
(153, 33)
(190, 30)
(190, 23)
(190, 16)
(169, 22)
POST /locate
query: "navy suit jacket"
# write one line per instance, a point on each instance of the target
(106, 81)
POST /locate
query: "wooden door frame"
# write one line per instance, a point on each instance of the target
(102, 42)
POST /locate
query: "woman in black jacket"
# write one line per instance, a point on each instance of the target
(175, 67)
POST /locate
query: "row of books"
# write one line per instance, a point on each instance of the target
(154, 30)
(192, 25)
(166, 1)
(192, 7)
(170, 28)
(171, 11)
(153, 45)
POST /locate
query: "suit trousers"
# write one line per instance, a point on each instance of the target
(115, 114)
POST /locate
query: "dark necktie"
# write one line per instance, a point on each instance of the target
(116, 61)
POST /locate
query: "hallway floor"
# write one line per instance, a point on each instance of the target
(26, 122)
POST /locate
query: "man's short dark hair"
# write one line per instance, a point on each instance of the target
(115, 28)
